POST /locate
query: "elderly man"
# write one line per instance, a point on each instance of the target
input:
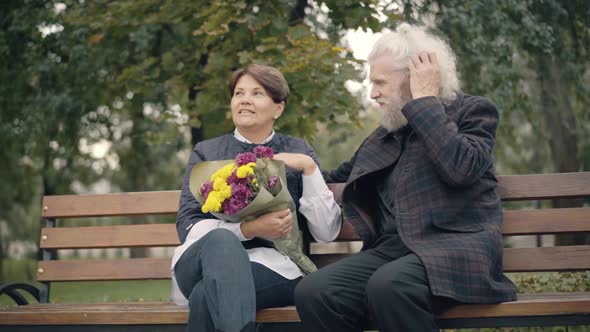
(420, 192)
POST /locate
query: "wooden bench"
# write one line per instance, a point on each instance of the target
(530, 309)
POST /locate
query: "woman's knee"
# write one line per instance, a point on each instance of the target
(220, 234)
(197, 298)
(223, 246)
(222, 238)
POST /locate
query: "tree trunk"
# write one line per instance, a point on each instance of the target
(2, 278)
(138, 165)
(196, 133)
(560, 123)
(298, 13)
(49, 188)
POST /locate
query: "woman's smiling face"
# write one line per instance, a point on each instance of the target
(252, 108)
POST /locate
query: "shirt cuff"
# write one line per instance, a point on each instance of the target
(234, 228)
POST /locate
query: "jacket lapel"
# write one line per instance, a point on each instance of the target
(379, 151)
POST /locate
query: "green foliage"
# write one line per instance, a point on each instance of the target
(135, 76)
(184, 52)
(41, 102)
(335, 145)
(552, 282)
(531, 58)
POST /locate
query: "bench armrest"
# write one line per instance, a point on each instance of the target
(11, 291)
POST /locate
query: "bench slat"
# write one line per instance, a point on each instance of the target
(527, 305)
(96, 313)
(111, 269)
(169, 313)
(122, 236)
(147, 235)
(516, 222)
(119, 204)
(527, 187)
(546, 221)
(566, 258)
(544, 186)
(510, 187)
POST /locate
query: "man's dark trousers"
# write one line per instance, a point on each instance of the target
(386, 284)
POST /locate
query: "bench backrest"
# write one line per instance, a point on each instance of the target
(511, 188)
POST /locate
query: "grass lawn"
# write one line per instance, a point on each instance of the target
(87, 291)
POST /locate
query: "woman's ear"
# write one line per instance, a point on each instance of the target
(279, 110)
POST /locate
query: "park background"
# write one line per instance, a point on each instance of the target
(110, 96)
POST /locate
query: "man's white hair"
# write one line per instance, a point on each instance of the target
(408, 40)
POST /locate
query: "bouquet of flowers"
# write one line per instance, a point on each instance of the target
(243, 189)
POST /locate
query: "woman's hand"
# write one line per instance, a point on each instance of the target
(274, 225)
(298, 161)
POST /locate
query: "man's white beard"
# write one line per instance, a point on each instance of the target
(393, 119)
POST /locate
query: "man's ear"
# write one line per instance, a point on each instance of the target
(279, 110)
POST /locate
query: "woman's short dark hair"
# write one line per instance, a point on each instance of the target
(269, 77)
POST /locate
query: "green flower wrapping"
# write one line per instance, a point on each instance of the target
(264, 202)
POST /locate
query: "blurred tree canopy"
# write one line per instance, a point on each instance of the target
(129, 77)
(533, 59)
(118, 91)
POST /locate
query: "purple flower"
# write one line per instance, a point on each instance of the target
(273, 181)
(234, 179)
(240, 197)
(241, 192)
(232, 206)
(245, 158)
(263, 152)
(205, 189)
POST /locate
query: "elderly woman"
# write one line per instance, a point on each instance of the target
(224, 270)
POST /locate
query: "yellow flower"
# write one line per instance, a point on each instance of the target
(218, 183)
(225, 191)
(212, 204)
(245, 170)
(224, 172)
(222, 189)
